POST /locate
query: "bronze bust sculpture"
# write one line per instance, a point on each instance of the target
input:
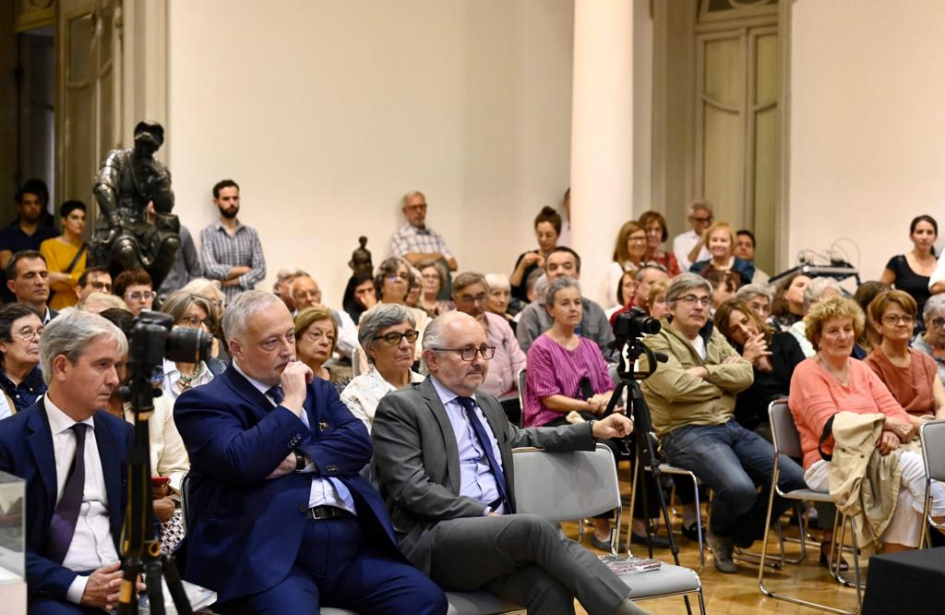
(126, 182)
(361, 259)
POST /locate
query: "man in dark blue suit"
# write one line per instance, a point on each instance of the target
(73, 457)
(282, 520)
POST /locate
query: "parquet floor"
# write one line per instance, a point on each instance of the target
(738, 594)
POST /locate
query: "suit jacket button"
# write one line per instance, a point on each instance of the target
(332, 468)
(303, 509)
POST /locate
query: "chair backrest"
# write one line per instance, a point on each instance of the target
(521, 396)
(184, 494)
(933, 448)
(783, 430)
(356, 360)
(565, 485)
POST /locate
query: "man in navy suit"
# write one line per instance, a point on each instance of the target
(282, 520)
(73, 457)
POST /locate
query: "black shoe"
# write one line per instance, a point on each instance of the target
(659, 542)
(690, 531)
(722, 552)
(604, 545)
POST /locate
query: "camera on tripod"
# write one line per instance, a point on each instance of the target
(634, 324)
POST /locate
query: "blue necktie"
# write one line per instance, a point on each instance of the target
(62, 526)
(276, 394)
(469, 405)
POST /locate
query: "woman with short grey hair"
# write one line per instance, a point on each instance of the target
(758, 298)
(932, 340)
(388, 337)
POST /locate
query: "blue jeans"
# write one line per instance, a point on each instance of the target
(731, 461)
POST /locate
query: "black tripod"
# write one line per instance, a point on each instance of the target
(140, 547)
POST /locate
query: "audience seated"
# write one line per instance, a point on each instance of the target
(283, 285)
(645, 276)
(830, 383)
(629, 255)
(388, 336)
(692, 403)
(471, 295)
(168, 457)
(66, 256)
(724, 285)
(305, 294)
(443, 454)
(932, 340)
(869, 339)
(316, 334)
(911, 272)
(501, 301)
(433, 280)
(689, 247)
(910, 375)
(656, 304)
(415, 241)
(535, 320)
(745, 250)
(360, 296)
(547, 231)
(212, 291)
(758, 299)
(93, 280)
(818, 289)
(720, 241)
(73, 567)
(654, 224)
(21, 378)
(788, 305)
(28, 280)
(416, 288)
(193, 312)
(96, 303)
(392, 283)
(625, 288)
(135, 287)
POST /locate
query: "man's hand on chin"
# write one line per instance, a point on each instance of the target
(614, 426)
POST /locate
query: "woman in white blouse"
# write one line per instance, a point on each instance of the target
(191, 311)
(388, 335)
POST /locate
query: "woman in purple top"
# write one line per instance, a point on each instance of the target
(568, 380)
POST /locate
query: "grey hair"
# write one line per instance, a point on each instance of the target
(684, 283)
(410, 195)
(750, 291)
(816, 289)
(201, 286)
(468, 278)
(557, 285)
(641, 272)
(70, 334)
(498, 280)
(379, 318)
(697, 205)
(247, 302)
(934, 305)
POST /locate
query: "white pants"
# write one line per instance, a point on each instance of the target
(906, 525)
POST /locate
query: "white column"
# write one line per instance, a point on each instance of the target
(601, 135)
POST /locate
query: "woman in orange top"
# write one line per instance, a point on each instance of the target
(65, 256)
(831, 382)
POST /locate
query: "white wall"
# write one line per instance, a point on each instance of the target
(327, 112)
(867, 124)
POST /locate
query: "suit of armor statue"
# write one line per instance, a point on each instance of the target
(127, 181)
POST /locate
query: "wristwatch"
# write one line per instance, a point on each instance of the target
(300, 462)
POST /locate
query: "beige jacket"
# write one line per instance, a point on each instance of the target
(168, 454)
(677, 399)
(864, 483)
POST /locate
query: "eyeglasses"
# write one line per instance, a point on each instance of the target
(692, 300)
(393, 338)
(101, 286)
(636, 239)
(141, 295)
(193, 322)
(393, 277)
(706, 220)
(28, 334)
(469, 352)
(895, 319)
(938, 323)
(417, 207)
(480, 298)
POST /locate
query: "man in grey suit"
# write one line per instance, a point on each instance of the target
(451, 497)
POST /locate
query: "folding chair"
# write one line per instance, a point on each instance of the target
(572, 485)
(788, 442)
(521, 396)
(932, 436)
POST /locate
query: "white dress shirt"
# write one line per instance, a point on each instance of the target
(325, 491)
(683, 245)
(92, 546)
(172, 377)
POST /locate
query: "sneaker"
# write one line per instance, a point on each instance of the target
(722, 551)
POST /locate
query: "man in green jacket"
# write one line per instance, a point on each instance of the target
(692, 403)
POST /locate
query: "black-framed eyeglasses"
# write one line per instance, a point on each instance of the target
(469, 352)
(393, 338)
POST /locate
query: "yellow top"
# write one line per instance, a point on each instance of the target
(58, 255)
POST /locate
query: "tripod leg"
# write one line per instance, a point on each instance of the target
(176, 587)
(155, 587)
(128, 600)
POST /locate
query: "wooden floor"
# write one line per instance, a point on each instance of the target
(739, 593)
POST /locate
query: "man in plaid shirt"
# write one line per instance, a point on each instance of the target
(414, 241)
(231, 251)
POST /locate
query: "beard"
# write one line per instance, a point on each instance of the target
(229, 214)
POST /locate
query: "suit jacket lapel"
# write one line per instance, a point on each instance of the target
(108, 453)
(42, 449)
(259, 403)
(446, 428)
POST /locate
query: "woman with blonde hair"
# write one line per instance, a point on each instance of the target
(720, 242)
(629, 255)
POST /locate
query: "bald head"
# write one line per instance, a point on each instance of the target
(443, 342)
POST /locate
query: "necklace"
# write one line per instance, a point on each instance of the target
(842, 378)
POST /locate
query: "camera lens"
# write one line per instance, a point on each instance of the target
(186, 345)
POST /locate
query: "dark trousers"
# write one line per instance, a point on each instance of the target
(336, 567)
(48, 606)
(526, 559)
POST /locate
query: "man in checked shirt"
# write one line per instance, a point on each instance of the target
(231, 252)
(415, 241)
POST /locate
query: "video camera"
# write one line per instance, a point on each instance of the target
(629, 329)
